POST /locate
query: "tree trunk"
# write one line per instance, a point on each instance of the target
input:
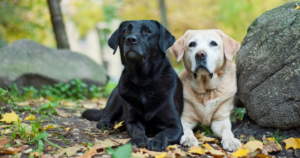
(58, 25)
(163, 13)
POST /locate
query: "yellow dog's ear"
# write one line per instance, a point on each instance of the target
(230, 46)
(177, 49)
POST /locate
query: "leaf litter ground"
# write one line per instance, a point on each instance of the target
(76, 137)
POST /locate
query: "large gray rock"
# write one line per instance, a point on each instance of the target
(29, 63)
(268, 68)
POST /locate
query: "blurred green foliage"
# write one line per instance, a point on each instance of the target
(25, 19)
(74, 90)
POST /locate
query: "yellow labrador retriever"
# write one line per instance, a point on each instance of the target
(209, 83)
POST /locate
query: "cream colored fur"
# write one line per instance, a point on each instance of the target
(207, 100)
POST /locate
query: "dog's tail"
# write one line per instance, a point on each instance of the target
(92, 114)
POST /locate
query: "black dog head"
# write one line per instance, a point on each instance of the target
(141, 40)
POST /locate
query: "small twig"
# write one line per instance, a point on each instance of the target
(237, 128)
(107, 137)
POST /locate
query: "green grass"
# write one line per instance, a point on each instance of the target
(278, 138)
(206, 130)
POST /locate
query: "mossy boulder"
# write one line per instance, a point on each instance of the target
(29, 63)
(268, 68)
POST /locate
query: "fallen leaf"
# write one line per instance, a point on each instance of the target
(151, 153)
(196, 150)
(271, 147)
(47, 156)
(69, 104)
(10, 117)
(26, 103)
(5, 150)
(253, 145)
(241, 152)
(122, 141)
(62, 113)
(118, 125)
(89, 154)
(139, 155)
(171, 147)
(30, 117)
(263, 156)
(215, 153)
(170, 155)
(161, 155)
(251, 138)
(100, 145)
(207, 147)
(208, 139)
(297, 7)
(179, 152)
(272, 138)
(292, 143)
(70, 151)
(36, 154)
(89, 106)
(198, 135)
(50, 126)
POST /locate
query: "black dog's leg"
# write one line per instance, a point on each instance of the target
(171, 135)
(112, 112)
(135, 126)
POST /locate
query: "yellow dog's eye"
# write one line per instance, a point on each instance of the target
(125, 31)
(213, 43)
(192, 44)
(147, 31)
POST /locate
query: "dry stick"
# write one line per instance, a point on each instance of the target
(109, 138)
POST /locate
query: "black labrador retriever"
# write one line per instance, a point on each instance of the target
(149, 93)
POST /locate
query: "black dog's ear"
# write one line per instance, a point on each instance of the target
(113, 41)
(166, 39)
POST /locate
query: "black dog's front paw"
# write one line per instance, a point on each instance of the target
(157, 144)
(105, 125)
(140, 141)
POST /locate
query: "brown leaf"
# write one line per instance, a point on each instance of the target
(170, 155)
(89, 154)
(179, 152)
(139, 155)
(100, 145)
(70, 151)
(271, 147)
(208, 139)
(151, 153)
(122, 141)
(36, 154)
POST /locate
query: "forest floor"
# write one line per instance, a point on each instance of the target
(59, 131)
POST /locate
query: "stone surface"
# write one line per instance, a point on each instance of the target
(29, 63)
(268, 68)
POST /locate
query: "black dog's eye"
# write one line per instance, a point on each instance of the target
(147, 31)
(192, 44)
(125, 31)
(213, 43)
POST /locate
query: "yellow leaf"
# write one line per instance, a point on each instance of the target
(292, 143)
(118, 125)
(297, 6)
(69, 104)
(161, 155)
(208, 139)
(10, 117)
(208, 147)
(253, 145)
(171, 147)
(30, 117)
(68, 128)
(196, 150)
(215, 153)
(241, 152)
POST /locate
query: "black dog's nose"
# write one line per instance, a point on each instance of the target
(131, 40)
(201, 55)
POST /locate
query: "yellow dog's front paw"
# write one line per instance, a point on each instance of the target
(189, 140)
(231, 144)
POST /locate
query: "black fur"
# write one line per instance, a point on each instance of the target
(149, 93)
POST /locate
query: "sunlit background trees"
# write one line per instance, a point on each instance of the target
(89, 23)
